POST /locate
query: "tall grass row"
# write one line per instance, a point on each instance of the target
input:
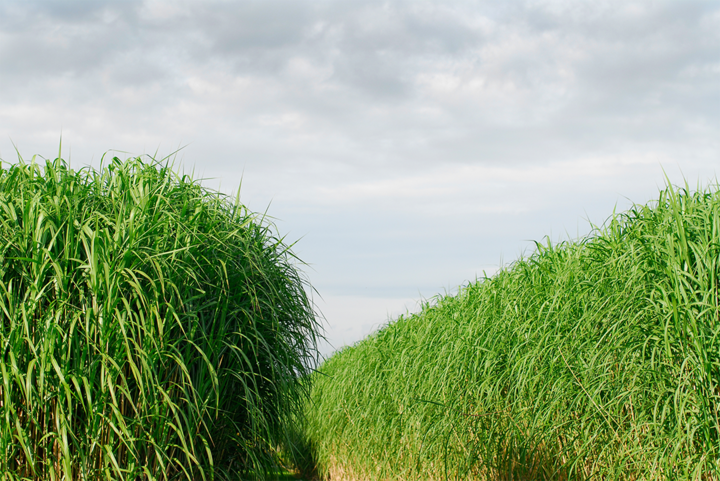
(150, 328)
(590, 359)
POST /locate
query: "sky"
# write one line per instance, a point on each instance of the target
(406, 148)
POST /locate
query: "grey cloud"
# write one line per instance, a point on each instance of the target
(367, 45)
(246, 27)
(20, 15)
(637, 51)
(398, 80)
(42, 40)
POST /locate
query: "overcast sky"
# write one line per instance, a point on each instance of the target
(407, 145)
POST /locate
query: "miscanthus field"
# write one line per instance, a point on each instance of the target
(590, 359)
(149, 328)
(152, 329)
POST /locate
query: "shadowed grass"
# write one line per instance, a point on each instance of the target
(594, 359)
(149, 328)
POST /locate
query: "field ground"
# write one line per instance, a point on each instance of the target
(289, 477)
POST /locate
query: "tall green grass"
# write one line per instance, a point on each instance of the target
(149, 328)
(591, 359)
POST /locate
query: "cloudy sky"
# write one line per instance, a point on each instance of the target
(408, 146)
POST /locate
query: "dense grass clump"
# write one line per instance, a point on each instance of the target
(592, 359)
(149, 328)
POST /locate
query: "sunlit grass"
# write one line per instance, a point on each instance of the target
(590, 359)
(150, 328)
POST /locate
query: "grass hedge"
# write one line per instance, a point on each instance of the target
(591, 359)
(149, 328)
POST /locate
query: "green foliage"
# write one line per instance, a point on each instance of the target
(593, 359)
(149, 328)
